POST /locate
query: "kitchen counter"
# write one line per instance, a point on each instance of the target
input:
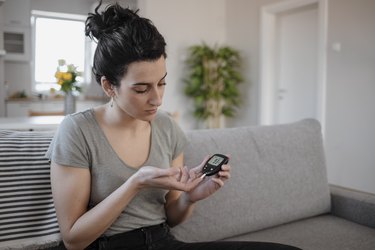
(58, 99)
(18, 107)
(31, 123)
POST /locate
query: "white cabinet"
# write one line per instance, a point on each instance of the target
(16, 43)
(15, 109)
(2, 52)
(16, 30)
(22, 108)
(19, 108)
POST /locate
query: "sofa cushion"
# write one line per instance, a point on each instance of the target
(325, 232)
(278, 175)
(27, 214)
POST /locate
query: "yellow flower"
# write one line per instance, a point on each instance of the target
(58, 75)
(67, 76)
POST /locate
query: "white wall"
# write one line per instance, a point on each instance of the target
(81, 7)
(184, 23)
(350, 128)
(243, 30)
(350, 112)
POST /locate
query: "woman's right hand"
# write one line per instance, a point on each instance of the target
(171, 178)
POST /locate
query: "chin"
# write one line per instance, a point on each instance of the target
(147, 117)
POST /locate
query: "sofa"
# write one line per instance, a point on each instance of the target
(278, 191)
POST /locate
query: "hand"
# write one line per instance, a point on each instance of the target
(171, 179)
(210, 184)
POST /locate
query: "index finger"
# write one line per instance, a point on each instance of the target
(168, 171)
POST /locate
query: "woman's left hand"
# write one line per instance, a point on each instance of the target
(211, 183)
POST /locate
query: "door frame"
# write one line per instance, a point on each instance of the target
(268, 56)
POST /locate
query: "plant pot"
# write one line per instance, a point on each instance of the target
(69, 103)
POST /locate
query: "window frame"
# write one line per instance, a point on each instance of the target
(62, 16)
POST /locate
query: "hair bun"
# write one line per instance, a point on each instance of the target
(108, 21)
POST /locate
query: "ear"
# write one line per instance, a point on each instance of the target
(107, 87)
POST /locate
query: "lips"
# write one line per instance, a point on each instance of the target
(151, 111)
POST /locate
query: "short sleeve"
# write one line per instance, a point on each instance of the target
(169, 137)
(179, 139)
(68, 146)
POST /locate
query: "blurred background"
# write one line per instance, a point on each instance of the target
(299, 59)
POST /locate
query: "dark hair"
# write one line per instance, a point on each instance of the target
(122, 37)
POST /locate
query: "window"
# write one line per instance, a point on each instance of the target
(58, 36)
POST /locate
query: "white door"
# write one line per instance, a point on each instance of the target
(296, 64)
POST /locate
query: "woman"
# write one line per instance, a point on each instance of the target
(116, 170)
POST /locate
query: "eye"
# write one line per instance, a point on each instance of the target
(144, 89)
(141, 89)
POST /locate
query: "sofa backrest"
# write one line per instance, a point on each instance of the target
(278, 176)
(27, 214)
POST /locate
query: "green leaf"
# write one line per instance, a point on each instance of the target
(213, 74)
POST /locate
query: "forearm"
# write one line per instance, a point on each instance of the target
(97, 220)
(179, 210)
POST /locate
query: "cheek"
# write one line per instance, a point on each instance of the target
(161, 92)
(136, 100)
(127, 95)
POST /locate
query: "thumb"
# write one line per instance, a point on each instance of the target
(198, 168)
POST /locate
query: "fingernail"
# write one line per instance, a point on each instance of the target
(202, 176)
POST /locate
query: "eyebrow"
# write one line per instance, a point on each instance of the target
(146, 83)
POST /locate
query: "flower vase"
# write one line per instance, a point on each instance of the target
(69, 103)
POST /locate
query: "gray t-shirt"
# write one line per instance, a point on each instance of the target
(80, 142)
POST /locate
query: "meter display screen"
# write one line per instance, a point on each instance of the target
(215, 160)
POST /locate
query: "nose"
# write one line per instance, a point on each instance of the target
(156, 97)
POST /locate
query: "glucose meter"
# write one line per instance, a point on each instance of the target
(213, 164)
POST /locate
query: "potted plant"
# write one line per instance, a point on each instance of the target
(212, 82)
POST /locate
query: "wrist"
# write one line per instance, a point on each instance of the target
(135, 182)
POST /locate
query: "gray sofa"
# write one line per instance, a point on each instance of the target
(278, 192)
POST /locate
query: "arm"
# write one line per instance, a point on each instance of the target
(353, 205)
(71, 192)
(178, 207)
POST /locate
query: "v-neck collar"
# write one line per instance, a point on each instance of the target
(104, 137)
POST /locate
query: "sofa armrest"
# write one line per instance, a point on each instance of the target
(353, 205)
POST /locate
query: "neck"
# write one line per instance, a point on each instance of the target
(116, 118)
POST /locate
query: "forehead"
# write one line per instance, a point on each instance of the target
(145, 71)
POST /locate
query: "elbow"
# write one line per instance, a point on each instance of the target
(174, 222)
(71, 244)
(171, 224)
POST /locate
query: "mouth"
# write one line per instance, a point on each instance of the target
(151, 111)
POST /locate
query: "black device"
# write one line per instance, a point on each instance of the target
(213, 165)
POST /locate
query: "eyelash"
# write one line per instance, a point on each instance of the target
(148, 89)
